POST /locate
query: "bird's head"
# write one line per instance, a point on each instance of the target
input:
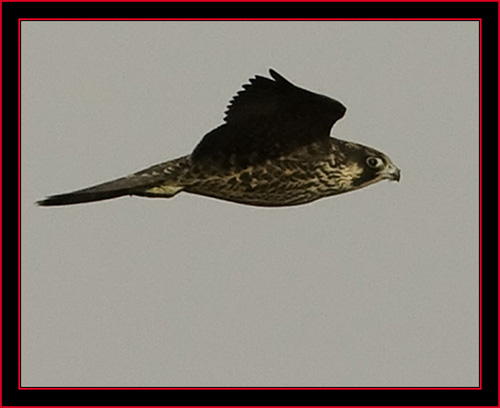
(368, 165)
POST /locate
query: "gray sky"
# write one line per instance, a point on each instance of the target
(378, 287)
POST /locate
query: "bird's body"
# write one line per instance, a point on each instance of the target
(273, 150)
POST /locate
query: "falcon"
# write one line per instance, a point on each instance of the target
(273, 149)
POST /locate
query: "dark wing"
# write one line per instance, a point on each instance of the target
(269, 118)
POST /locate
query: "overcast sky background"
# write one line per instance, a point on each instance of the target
(378, 287)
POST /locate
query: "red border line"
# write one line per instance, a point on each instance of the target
(253, 1)
(255, 388)
(249, 19)
(19, 205)
(480, 204)
(19, 197)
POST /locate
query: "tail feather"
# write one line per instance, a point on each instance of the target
(78, 198)
(155, 181)
(105, 191)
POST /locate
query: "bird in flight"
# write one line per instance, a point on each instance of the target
(273, 149)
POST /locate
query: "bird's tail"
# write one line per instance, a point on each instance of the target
(100, 192)
(156, 181)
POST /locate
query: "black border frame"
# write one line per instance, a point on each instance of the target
(13, 396)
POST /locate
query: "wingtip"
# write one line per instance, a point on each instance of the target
(273, 73)
(278, 77)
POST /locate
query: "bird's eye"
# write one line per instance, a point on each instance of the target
(374, 162)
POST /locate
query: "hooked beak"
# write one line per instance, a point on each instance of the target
(392, 173)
